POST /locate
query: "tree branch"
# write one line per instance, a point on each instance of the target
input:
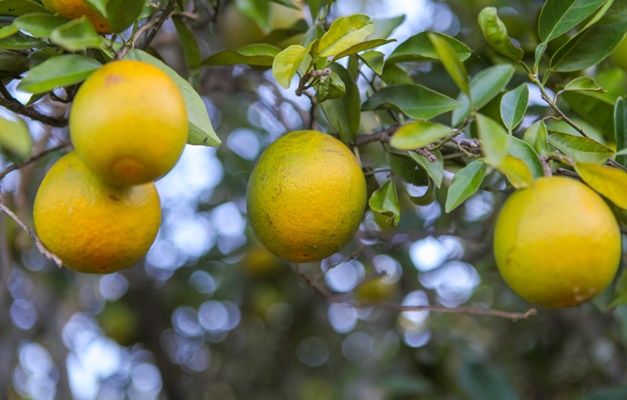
(30, 112)
(40, 246)
(32, 159)
(340, 299)
(166, 14)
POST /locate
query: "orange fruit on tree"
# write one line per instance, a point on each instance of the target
(306, 196)
(92, 226)
(557, 243)
(128, 122)
(76, 9)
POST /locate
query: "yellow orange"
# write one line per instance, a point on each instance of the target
(92, 226)
(306, 196)
(77, 8)
(557, 243)
(128, 122)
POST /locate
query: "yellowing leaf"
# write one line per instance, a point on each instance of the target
(516, 171)
(344, 33)
(287, 62)
(608, 181)
(418, 134)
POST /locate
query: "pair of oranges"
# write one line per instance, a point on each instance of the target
(98, 208)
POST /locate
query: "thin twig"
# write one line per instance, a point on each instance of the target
(32, 113)
(382, 136)
(166, 14)
(341, 299)
(32, 159)
(513, 316)
(427, 154)
(40, 246)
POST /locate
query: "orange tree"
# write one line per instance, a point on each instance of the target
(447, 107)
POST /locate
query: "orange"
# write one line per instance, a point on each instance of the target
(306, 196)
(128, 122)
(94, 227)
(557, 243)
(77, 8)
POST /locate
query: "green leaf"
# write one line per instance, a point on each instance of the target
(502, 151)
(525, 152)
(494, 140)
(418, 134)
(579, 148)
(435, 169)
(465, 183)
(20, 7)
(344, 114)
(314, 7)
(99, 6)
(286, 3)
(122, 13)
(374, 60)
(609, 182)
(406, 168)
(595, 108)
(485, 86)
(559, 16)
(20, 41)
(480, 381)
(257, 10)
(385, 26)
(393, 74)
(620, 124)
(57, 72)
(619, 298)
(594, 44)
(425, 199)
(8, 30)
(451, 61)
(582, 84)
(188, 42)
(12, 64)
(419, 48)
(287, 62)
(261, 55)
(77, 35)
(15, 137)
(385, 201)
(200, 130)
(330, 87)
(415, 101)
(359, 47)
(40, 25)
(495, 33)
(537, 136)
(514, 106)
(344, 33)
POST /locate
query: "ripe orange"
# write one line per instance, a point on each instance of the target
(128, 123)
(94, 227)
(557, 243)
(306, 196)
(76, 9)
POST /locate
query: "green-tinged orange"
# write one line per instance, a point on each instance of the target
(128, 122)
(77, 8)
(92, 226)
(306, 196)
(557, 243)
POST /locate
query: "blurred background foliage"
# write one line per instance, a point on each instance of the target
(210, 314)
